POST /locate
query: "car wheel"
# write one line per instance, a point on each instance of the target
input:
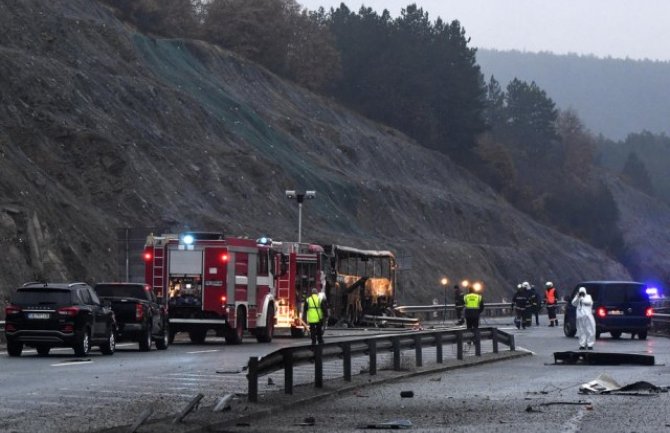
(82, 347)
(14, 348)
(615, 334)
(109, 346)
(171, 335)
(264, 335)
(568, 330)
(163, 342)
(597, 334)
(145, 340)
(642, 335)
(43, 350)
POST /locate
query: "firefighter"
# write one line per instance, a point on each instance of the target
(534, 304)
(520, 305)
(551, 301)
(586, 324)
(314, 315)
(474, 305)
(459, 302)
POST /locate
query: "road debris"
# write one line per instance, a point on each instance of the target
(223, 403)
(605, 384)
(188, 409)
(307, 422)
(602, 358)
(146, 413)
(388, 425)
(406, 394)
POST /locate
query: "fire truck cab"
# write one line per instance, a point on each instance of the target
(213, 282)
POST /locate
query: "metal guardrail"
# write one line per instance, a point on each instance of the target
(288, 357)
(2, 326)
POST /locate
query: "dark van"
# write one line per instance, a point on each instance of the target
(618, 306)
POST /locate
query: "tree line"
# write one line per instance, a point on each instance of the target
(420, 76)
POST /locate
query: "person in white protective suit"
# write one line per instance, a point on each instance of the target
(586, 324)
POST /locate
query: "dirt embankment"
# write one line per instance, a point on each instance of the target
(104, 128)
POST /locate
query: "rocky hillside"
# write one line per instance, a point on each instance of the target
(103, 128)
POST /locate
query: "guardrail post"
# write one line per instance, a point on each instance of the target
(478, 343)
(318, 366)
(396, 353)
(459, 345)
(494, 339)
(288, 372)
(346, 361)
(252, 378)
(418, 351)
(372, 347)
(512, 346)
(438, 347)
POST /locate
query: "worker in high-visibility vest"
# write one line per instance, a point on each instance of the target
(313, 314)
(474, 305)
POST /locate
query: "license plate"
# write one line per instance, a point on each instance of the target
(38, 315)
(615, 312)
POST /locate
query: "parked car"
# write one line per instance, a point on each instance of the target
(140, 316)
(618, 307)
(46, 315)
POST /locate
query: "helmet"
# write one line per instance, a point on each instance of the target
(526, 285)
(549, 284)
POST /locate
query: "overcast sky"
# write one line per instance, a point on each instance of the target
(636, 29)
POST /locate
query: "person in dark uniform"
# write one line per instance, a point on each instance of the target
(520, 306)
(459, 302)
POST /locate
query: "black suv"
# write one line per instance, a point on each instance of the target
(45, 315)
(618, 306)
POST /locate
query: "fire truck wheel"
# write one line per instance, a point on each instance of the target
(264, 334)
(197, 336)
(297, 333)
(234, 336)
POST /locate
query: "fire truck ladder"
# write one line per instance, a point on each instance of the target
(158, 266)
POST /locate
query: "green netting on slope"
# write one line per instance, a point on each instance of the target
(173, 63)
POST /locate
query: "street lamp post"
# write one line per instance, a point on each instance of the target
(444, 281)
(300, 197)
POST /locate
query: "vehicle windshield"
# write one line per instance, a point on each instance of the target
(121, 291)
(42, 297)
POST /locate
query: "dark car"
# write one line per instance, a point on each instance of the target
(46, 315)
(140, 315)
(618, 307)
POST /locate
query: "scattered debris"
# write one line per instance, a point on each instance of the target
(358, 394)
(604, 384)
(530, 408)
(602, 358)
(223, 403)
(270, 381)
(406, 394)
(436, 379)
(307, 422)
(229, 371)
(146, 413)
(188, 409)
(388, 425)
(568, 403)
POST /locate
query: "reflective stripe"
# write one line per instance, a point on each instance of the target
(472, 300)
(313, 309)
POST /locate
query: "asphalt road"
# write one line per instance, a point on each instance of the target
(529, 394)
(63, 393)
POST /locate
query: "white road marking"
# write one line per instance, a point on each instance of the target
(64, 364)
(204, 351)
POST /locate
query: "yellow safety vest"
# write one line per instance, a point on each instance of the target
(314, 309)
(472, 300)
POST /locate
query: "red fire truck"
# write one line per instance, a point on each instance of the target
(213, 282)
